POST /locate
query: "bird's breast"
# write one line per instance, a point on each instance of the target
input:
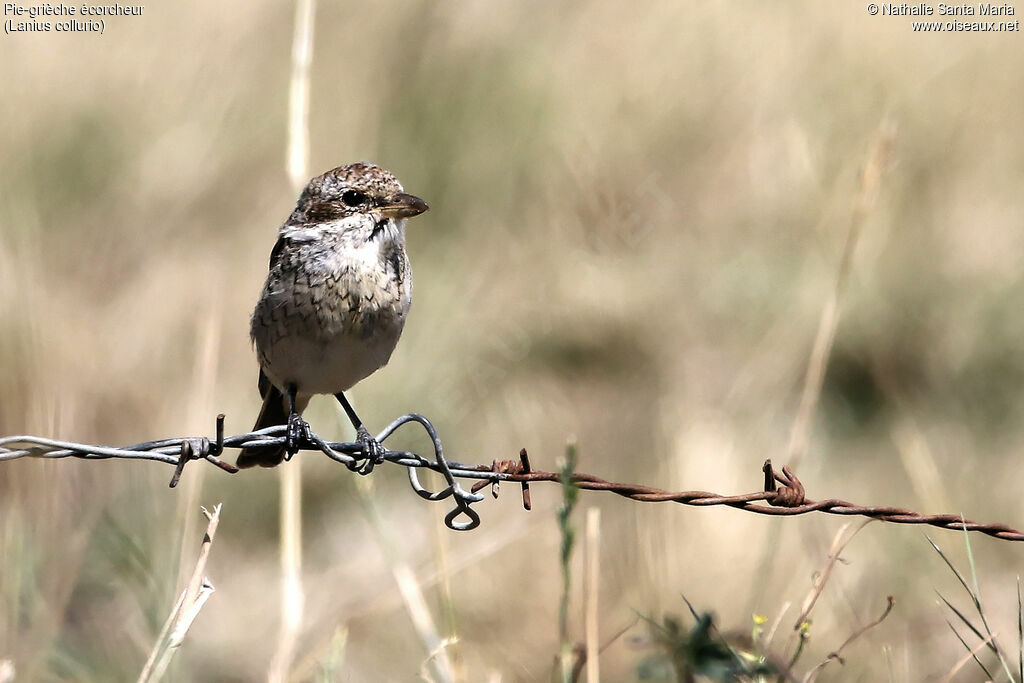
(320, 300)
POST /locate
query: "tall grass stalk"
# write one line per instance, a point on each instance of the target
(292, 595)
(570, 494)
(870, 181)
(591, 616)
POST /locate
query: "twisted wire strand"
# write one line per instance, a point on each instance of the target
(783, 493)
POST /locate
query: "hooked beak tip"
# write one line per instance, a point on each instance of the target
(404, 206)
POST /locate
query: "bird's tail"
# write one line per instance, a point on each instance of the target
(274, 412)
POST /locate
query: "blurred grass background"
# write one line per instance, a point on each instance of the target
(636, 218)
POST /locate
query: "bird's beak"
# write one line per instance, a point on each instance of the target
(403, 205)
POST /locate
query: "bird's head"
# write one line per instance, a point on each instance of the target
(363, 196)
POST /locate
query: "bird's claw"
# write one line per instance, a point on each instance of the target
(298, 434)
(373, 451)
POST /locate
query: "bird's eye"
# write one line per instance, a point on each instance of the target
(353, 198)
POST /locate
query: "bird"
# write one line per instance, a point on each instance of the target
(334, 303)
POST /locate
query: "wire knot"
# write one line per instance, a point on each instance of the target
(507, 467)
(790, 495)
(202, 449)
(498, 467)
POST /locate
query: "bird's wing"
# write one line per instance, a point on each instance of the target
(263, 384)
(275, 255)
(271, 414)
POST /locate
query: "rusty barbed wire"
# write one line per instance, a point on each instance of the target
(782, 495)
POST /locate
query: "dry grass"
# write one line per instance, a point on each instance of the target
(636, 220)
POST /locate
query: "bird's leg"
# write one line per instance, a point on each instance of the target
(298, 429)
(371, 448)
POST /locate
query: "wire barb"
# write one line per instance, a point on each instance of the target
(783, 493)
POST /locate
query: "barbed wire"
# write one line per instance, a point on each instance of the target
(782, 495)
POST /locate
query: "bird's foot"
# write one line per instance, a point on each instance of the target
(298, 434)
(371, 449)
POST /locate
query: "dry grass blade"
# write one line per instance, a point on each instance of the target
(824, 340)
(1020, 634)
(839, 544)
(966, 658)
(409, 587)
(956, 572)
(963, 618)
(436, 652)
(323, 661)
(975, 595)
(199, 582)
(621, 632)
(835, 656)
(161, 640)
(592, 576)
(800, 626)
(988, 675)
(975, 600)
(689, 606)
(206, 589)
(770, 636)
(186, 609)
(419, 613)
